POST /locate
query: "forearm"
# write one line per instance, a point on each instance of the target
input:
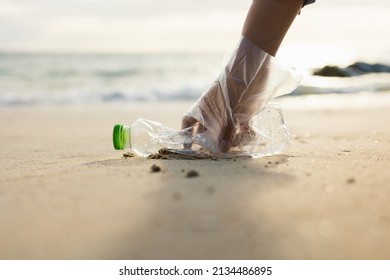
(268, 21)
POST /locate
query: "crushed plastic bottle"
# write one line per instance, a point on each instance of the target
(272, 135)
(145, 137)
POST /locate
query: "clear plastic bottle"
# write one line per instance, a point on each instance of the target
(146, 137)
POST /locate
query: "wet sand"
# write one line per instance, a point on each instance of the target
(65, 193)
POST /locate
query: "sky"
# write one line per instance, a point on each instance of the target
(330, 29)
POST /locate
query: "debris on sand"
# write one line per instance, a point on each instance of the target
(192, 174)
(351, 180)
(155, 168)
(179, 154)
(128, 155)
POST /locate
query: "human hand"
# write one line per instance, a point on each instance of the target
(211, 121)
(221, 118)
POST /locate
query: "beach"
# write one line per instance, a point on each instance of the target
(65, 193)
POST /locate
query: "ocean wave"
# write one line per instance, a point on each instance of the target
(91, 97)
(88, 79)
(117, 73)
(366, 83)
(156, 95)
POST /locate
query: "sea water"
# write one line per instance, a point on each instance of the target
(37, 79)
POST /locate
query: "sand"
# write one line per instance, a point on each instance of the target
(65, 193)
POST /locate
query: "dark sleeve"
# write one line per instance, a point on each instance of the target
(307, 2)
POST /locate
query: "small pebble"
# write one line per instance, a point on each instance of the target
(155, 168)
(351, 180)
(192, 174)
(128, 155)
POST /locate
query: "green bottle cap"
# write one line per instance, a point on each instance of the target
(119, 137)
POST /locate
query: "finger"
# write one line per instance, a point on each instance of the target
(226, 138)
(244, 135)
(188, 121)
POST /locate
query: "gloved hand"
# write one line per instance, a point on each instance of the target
(222, 116)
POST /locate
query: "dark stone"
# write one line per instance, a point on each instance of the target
(355, 69)
(330, 71)
(192, 174)
(155, 168)
(381, 68)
